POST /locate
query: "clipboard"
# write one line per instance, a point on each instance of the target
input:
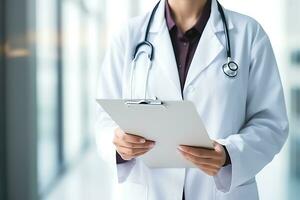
(168, 123)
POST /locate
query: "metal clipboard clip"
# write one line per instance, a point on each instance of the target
(144, 102)
(152, 102)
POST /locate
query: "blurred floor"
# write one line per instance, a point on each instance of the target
(84, 181)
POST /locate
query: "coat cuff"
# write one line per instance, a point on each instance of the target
(223, 179)
(228, 160)
(124, 169)
(119, 159)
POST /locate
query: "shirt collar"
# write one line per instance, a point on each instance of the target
(199, 26)
(169, 19)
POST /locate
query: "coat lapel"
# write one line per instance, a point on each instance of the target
(165, 58)
(207, 50)
(209, 46)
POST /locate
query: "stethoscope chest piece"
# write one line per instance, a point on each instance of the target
(230, 69)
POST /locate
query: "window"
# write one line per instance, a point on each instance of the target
(66, 77)
(47, 96)
(73, 76)
(295, 103)
(295, 157)
(295, 57)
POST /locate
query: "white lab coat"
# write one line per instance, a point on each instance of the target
(247, 114)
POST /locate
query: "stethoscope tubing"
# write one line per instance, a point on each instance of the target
(230, 68)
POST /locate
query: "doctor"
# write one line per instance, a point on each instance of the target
(220, 60)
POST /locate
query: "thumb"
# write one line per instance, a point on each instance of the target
(218, 147)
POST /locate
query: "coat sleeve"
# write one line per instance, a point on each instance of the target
(109, 86)
(266, 127)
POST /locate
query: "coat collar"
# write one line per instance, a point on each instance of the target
(209, 46)
(159, 19)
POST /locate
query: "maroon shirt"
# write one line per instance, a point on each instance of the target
(185, 44)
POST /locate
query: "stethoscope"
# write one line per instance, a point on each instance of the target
(230, 68)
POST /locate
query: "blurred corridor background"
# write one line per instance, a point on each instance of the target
(50, 54)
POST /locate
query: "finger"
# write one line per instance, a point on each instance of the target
(141, 153)
(209, 171)
(210, 167)
(130, 138)
(129, 157)
(130, 151)
(218, 147)
(198, 161)
(147, 144)
(199, 152)
(118, 142)
(205, 161)
(125, 156)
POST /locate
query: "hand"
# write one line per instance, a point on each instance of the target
(209, 161)
(131, 146)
